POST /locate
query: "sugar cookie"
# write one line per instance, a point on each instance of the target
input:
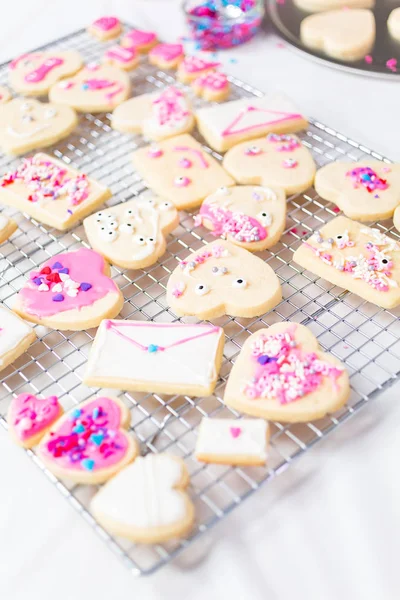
(142, 41)
(27, 124)
(89, 443)
(7, 226)
(179, 170)
(323, 5)
(233, 441)
(146, 502)
(16, 337)
(248, 118)
(5, 94)
(29, 418)
(281, 374)
(252, 217)
(213, 87)
(358, 258)
(223, 279)
(157, 116)
(72, 291)
(393, 24)
(126, 59)
(51, 192)
(166, 56)
(192, 67)
(166, 358)
(275, 160)
(366, 191)
(33, 74)
(105, 28)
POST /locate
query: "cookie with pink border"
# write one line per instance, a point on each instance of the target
(193, 67)
(213, 86)
(33, 74)
(141, 40)
(126, 59)
(29, 418)
(166, 56)
(105, 28)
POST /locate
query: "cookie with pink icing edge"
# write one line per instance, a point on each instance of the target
(193, 67)
(105, 28)
(29, 418)
(142, 41)
(71, 291)
(166, 56)
(213, 86)
(281, 374)
(124, 58)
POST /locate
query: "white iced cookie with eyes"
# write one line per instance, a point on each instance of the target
(157, 116)
(275, 160)
(394, 24)
(362, 190)
(347, 35)
(7, 227)
(132, 234)
(220, 279)
(26, 124)
(323, 5)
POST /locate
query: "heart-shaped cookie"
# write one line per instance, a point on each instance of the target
(72, 291)
(276, 160)
(89, 444)
(220, 279)
(96, 88)
(105, 28)
(146, 502)
(281, 374)
(213, 87)
(29, 418)
(26, 124)
(343, 34)
(166, 56)
(364, 190)
(142, 41)
(324, 5)
(15, 336)
(193, 66)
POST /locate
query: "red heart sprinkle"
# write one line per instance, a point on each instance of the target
(45, 271)
(235, 431)
(54, 277)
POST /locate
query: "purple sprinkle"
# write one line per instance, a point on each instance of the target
(85, 286)
(64, 270)
(263, 359)
(69, 211)
(57, 265)
(58, 298)
(37, 280)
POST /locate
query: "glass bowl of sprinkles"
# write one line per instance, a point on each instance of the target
(218, 24)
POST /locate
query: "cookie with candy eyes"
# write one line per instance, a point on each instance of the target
(252, 217)
(324, 5)
(157, 116)
(132, 234)
(281, 374)
(275, 160)
(193, 67)
(33, 74)
(29, 418)
(96, 88)
(15, 337)
(166, 56)
(71, 291)
(142, 41)
(213, 87)
(105, 28)
(364, 190)
(179, 170)
(26, 124)
(7, 227)
(223, 279)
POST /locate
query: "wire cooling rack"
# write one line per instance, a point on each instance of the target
(359, 333)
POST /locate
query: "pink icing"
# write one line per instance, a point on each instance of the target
(68, 281)
(24, 58)
(212, 81)
(170, 108)
(240, 226)
(41, 72)
(197, 153)
(106, 23)
(368, 178)
(235, 431)
(136, 37)
(182, 181)
(167, 52)
(89, 438)
(194, 64)
(274, 117)
(155, 152)
(97, 84)
(121, 54)
(31, 415)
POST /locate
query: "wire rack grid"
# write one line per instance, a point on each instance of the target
(359, 333)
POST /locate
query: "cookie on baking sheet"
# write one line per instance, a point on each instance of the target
(167, 358)
(29, 418)
(7, 226)
(275, 160)
(5, 94)
(233, 441)
(249, 216)
(248, 118)
(281, 374)
(33, 74)
(393, 23)
(147, 501)
(366, 191)
(126, 59)
(213, 87)
(192, 67)
(27, 124)
(157, 116)
(179, 170)
(142, 41)
(96, 88)
(51, 192)
(323, 5)
(105, 28)
(16, 337)
(132, 234)
(166, 56)
(357, 258)
(89, 444)
(223, 279)
(71, 291)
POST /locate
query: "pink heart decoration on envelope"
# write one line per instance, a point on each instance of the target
(235, 431)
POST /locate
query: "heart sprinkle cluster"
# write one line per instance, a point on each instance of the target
(368, 178)
(56, 279)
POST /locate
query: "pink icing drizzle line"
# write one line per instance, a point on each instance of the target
(121, 54)
(198, 153)
(98, 84)
(237, 224)
(110, 95)
(30, 415)
(286, 117)
(106, 23)
(138, 37)
(40, 73)
(15, 62)
(167, 52)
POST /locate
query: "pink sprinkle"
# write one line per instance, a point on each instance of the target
(280, 45)
(392, 64)
(293, 230)
(336, 209)
(303, 232)
(368, 59)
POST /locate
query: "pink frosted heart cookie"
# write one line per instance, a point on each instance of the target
(213, 86)
(29, 418)
(166, 56)
(193, 67)
(142, 41)
(105, 28)
(126, 59)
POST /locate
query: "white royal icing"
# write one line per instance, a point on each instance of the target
(12, 331)
(170, 112)
(225, 437)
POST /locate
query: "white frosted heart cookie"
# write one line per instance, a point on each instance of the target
(7, 226)
(221, 278)
(51, 192)
(29, 418)
(366, 191)
(276, 160)
(343, 34)
(27, 124)
(323, 5)
(16, 337)
(252, 217)
(105, 28)
(179, 170)
(146, 502)
(33, 74)
(226, 125)
(96, 88)
(157, 116)
(393, 24)
(357, 258)
(5, 94)
(281, 374)
(132, 234)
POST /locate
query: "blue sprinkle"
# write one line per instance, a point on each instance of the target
(97, 438)
(64, 270)
(57, 265)
(85, 286)
(152, 348)
(233, 60)
(88, 463)
(37, 280)
(76, 414)
(96, 412)
(85, 86)
(78, 428)
(58, 298)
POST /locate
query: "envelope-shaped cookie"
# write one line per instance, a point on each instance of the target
(227, 124)
(156, 357)
(275, 160)
(15, 337)
(357, 258)
(281, 374)
(365, 191)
